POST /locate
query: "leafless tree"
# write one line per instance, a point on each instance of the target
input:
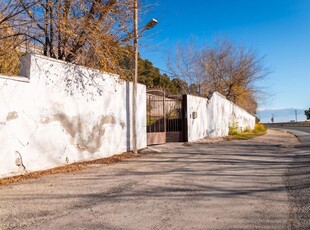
(185, 65)
(234, 71)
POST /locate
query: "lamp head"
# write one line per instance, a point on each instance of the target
(153, 22)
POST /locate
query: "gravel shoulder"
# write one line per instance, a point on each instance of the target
(205, 185)
(298, 183)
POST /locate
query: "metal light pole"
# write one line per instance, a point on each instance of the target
(135, 79)
(136, 35)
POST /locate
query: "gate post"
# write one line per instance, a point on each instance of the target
(184, 116)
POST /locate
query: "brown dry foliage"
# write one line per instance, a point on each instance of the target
(66, 169)
(79, 31)
(9, 56)
(85, 32)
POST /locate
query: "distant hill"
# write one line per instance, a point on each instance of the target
(280, 115)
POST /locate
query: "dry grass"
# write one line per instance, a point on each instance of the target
(245, 136)
(66, 169)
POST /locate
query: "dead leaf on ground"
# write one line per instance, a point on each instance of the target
(66, 169)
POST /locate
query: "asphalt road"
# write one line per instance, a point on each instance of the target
(303, 129)
(303, 134)
(225, 185)
(298, 179)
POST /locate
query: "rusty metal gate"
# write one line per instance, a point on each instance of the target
(174, 119)
(166, 118)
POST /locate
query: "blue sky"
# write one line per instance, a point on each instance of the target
(278, 30)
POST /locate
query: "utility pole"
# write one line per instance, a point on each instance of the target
(135, 80)
(296, 115)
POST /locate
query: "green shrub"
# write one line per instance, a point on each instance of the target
(233, 129)
(247, 130)
(247, 133)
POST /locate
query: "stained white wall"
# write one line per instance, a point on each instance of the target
(197, 128)
(214, 116)
(61, 113)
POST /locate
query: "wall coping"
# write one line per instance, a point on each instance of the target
(27, 60)
(15, 78)
(71, 64)
(222, 96)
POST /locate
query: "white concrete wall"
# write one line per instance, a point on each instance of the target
(61, 113)
(197, 128)
(214, 116)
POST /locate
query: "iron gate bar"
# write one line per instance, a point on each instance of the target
(156, 125)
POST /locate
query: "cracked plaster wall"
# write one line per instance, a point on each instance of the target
(214, 116)
(60, 113)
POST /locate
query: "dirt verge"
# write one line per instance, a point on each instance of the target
(66, 169)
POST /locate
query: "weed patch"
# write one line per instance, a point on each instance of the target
(247, 134)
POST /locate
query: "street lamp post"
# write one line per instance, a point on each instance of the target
(135, 79)
(136, 35)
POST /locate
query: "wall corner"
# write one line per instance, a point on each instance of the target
(25, 69)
